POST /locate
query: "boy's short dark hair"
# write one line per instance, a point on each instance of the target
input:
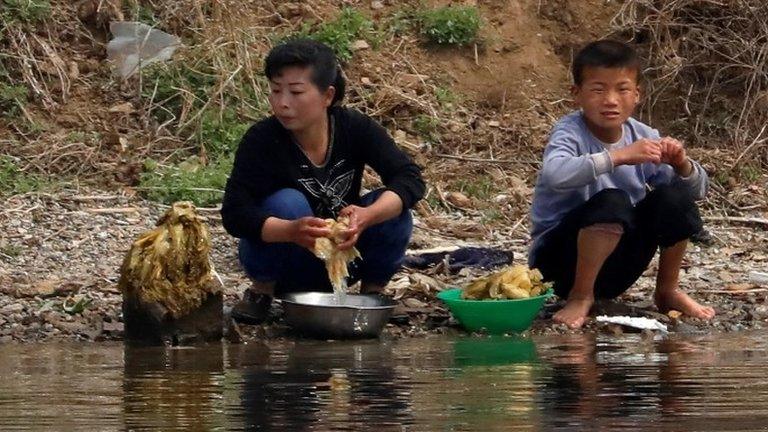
(605, 53)
(308, 53)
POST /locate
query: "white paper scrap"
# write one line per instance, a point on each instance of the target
(641, 323)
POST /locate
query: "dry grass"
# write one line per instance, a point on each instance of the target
(708, 69)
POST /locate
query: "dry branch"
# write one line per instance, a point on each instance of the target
(707, 68)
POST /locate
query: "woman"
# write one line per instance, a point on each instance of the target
(303, 164)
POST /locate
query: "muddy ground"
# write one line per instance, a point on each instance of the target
(57, 249)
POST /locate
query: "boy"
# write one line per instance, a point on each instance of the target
(595, 225)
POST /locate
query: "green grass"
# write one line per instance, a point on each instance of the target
(427, 127)
(491, 215)
(178, 87)
(11, 251)
(750, 173)
(12, 98)
(451, 25)
(481, 187)
(339, 34)
(220, 133)
(216, 128)
(400, 23)
(434, 201)
(446, 98)
(189, 180)
(14, 181)
(145, 14)
(175, 84)
(25, 11)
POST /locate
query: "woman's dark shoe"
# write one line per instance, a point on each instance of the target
(253, 308)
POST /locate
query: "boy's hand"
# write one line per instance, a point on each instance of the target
(640, 151)
(673, 153)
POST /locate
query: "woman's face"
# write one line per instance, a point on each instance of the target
(296, 101)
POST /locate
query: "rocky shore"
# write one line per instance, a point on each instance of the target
(60, 256)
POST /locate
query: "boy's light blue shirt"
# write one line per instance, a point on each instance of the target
(577, 165)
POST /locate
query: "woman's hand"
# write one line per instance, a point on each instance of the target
(359, 220)
(306, 230)
(386, 206)
(302, 231)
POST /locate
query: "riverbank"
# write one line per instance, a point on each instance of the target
(60, 257)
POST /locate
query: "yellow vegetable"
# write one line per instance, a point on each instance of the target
(336, 261)
(512, 291)
(509, 283)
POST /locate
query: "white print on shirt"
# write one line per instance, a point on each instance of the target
(331, 194)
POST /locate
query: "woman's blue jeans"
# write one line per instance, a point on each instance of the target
(295, 268)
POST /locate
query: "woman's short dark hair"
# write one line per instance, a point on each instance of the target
(308, 53)
(605, 53)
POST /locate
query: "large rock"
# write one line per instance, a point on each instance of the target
(152, 323)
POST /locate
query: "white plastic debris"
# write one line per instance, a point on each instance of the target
(136, 45)
(758, 277)
(641, 323)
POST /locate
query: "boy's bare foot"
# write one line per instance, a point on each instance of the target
(680, 301)
(575, 312)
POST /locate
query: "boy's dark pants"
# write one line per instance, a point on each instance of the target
(666, 216)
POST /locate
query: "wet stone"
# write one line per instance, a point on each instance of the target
(11, 308)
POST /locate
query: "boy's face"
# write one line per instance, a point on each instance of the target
(607, 96)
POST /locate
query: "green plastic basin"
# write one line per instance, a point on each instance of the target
(493, 316)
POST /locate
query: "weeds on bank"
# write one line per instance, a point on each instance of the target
(190, 180)
(481, 187)
(427, 127)
(400, 23)
(16, 14)
(15, 181)
(10, 251)
(451, 25)
(211, 101)
(491, 215)
(12, 98)
(25, 11)
(144, 13)
(446, 98)
(340, 33)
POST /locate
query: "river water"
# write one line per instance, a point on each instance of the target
(575, 382)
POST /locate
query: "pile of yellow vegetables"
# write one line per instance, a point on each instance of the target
(170, 264)
(516, 282)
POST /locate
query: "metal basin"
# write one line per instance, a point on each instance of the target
(318, 314)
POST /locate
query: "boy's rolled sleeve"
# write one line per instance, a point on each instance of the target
(602, 162)
(697, 181)
(565, 168)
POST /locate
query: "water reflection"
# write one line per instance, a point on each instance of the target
(576, 382)
(600, 382)
(173, 389)
(490, 385)
(323, 386)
